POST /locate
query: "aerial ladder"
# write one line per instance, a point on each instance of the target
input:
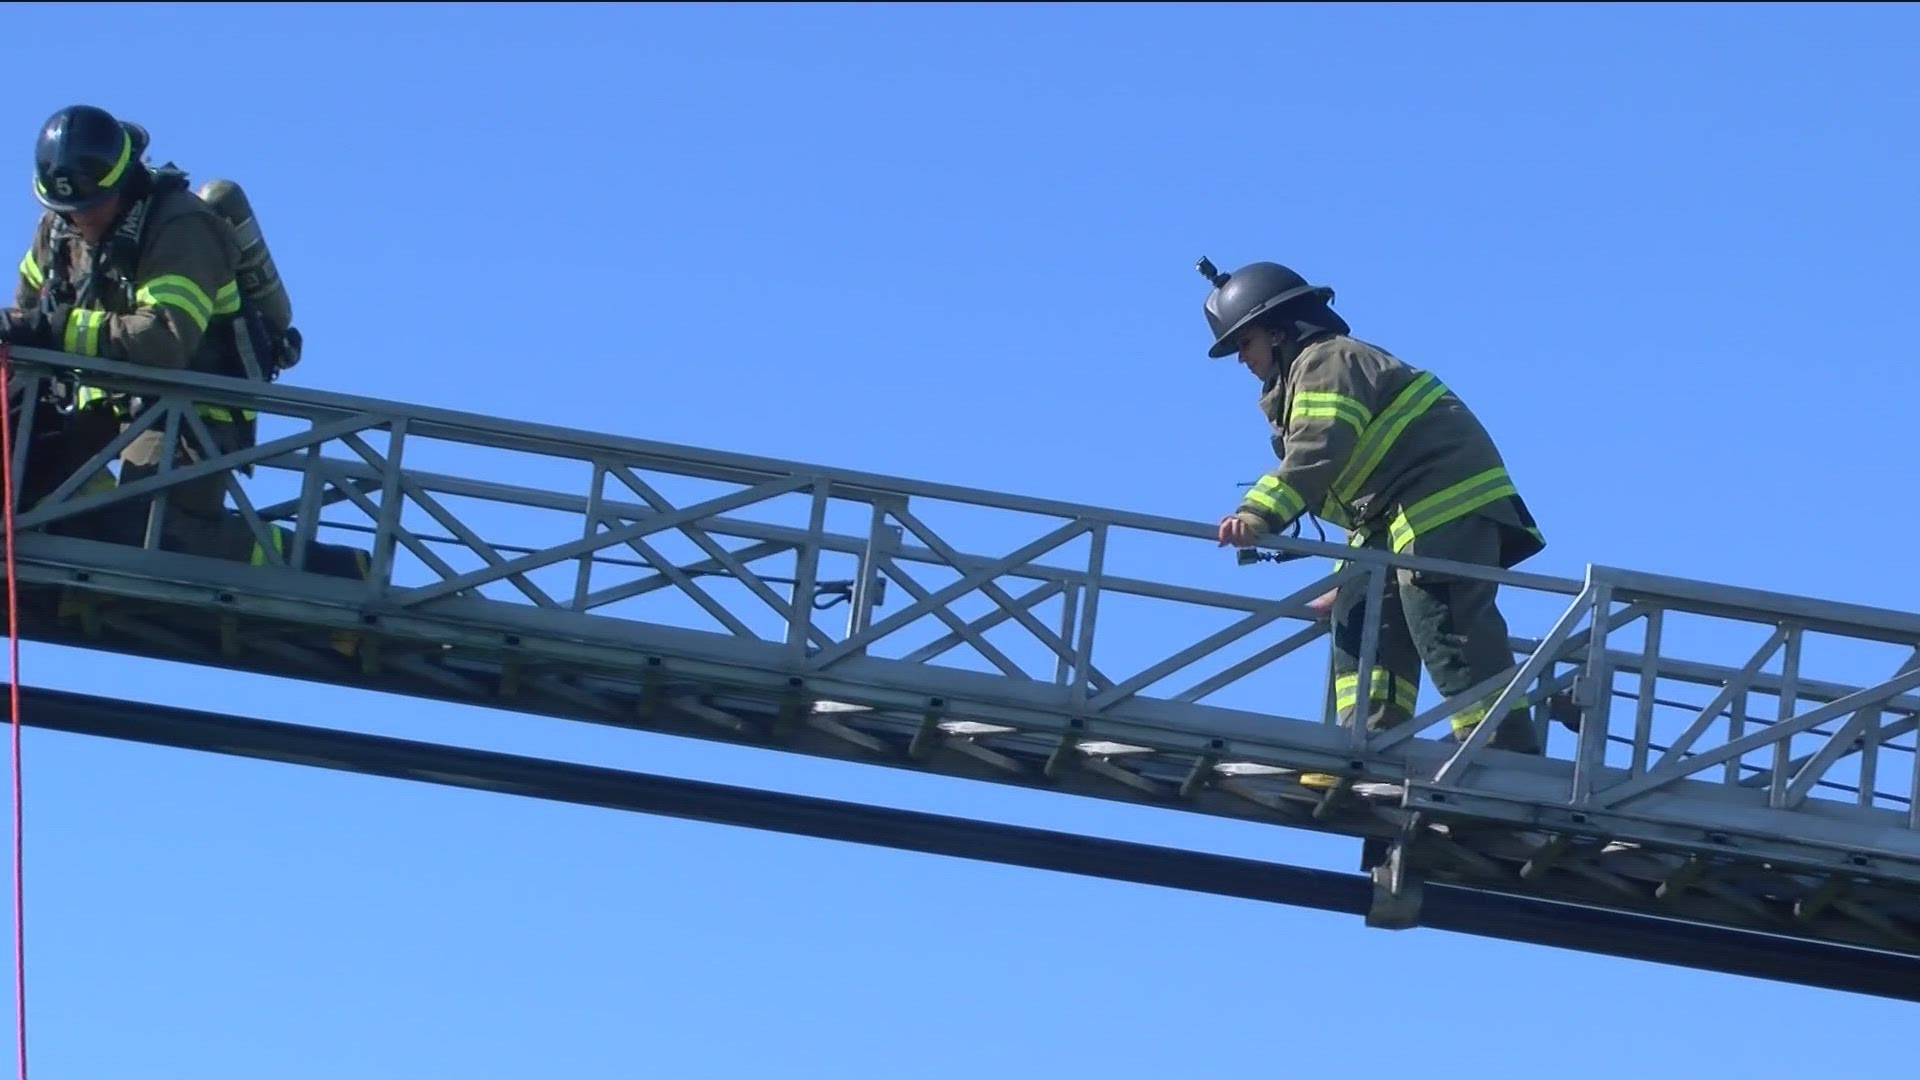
(1730, 778)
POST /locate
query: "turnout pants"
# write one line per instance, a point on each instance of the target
(195, 519)
(1449, 623)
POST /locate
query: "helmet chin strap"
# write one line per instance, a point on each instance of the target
(1283, 348)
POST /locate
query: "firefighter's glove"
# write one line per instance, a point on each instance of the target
(1240, 530)
(38, 330)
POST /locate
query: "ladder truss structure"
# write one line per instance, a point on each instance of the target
(1715, 754)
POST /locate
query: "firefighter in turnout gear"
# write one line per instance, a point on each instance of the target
(128, 264)
(1387, 452)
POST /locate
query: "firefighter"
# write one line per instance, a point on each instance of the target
(128, 264)
(1387, 452)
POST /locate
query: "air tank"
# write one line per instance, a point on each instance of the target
(259, 278)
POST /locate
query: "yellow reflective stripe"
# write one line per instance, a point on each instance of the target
(88, 395)
(1332, 511)
(1325, 405)
(98, 482)
(177, 292)
(83, 332)
(279, 546)
(227, 300)
(120, 166)
(1276, 498)
(1272, 482)
(1354, 539)
(1264, 501)
(113, 174)
(222, 414)
(1380, 435)
(1386, 687)
(31, 270)
(1449, 504)
(1467, 719)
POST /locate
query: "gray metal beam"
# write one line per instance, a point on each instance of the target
(1669, 941)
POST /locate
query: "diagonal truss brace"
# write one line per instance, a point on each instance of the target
(600, 542)
(949, 594)
(1774, 735)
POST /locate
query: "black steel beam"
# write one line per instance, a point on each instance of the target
(1468, 911)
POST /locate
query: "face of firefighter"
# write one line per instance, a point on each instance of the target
(94, 221)
(1256, 352)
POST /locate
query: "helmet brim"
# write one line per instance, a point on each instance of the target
(1226, 345)
(72, 206)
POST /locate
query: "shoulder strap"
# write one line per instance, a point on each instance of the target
(57, 285)
(130, 234)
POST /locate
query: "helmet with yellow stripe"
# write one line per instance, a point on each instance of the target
(84, 157)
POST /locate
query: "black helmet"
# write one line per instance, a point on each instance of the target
(83, 157)
(1239, 299)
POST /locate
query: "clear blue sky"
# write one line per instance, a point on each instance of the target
(1667, 253)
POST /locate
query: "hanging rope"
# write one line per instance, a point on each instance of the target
(13, 693)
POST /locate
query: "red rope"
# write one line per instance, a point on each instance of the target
(13, 693)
